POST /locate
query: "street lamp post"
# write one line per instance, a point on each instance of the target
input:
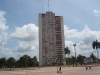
(75, 54)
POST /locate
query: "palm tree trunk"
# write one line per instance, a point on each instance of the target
(97, 58)
(68, 61)
(98, 54)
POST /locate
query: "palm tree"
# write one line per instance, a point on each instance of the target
(67, 51)
(96, 45)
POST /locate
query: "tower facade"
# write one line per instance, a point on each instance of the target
(51, 39)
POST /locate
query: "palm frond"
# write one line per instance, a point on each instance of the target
(98, 44)
(93, 44)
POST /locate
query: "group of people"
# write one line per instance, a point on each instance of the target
(87, 67)
(90, 68)
(59, 68)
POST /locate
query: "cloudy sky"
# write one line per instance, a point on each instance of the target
(19, 25)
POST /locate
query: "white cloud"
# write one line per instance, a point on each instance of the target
(3, 39)
(96, 12)
(2, 22)
(23, 48)
(30, 48)
(3, 27)
(27, 37)
(26, 46)
(85, 33)
(28, 32)
(85, 36)
(4, 52)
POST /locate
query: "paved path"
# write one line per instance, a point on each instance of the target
(53, 71)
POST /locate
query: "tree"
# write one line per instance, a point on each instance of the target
(80, 59)
(2, 62)
(24, 60)
(96, 45)
(27, 61)
(33, 61)
(67, 51)
(11, 62)
(93, 57)
(73, 60)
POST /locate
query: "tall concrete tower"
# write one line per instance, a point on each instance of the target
(51, 39)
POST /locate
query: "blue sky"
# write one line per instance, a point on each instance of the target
(19, 25)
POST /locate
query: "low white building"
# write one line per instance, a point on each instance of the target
(88, 60)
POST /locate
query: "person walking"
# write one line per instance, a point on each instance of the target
(60, 69)
(57, 70)
(86, 67)
(90, 68)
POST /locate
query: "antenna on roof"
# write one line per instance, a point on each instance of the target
(42, 8)
(48, 5)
